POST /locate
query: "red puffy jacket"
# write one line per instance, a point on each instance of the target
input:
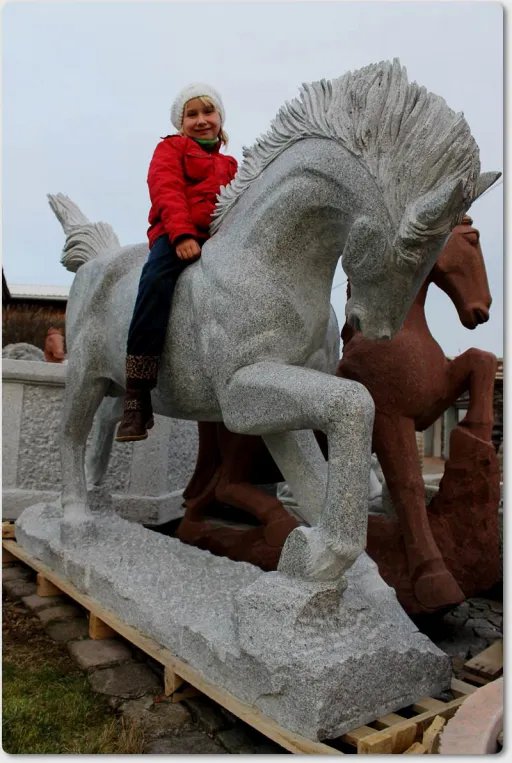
(184, 180)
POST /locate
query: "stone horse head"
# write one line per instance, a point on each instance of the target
(366, 167)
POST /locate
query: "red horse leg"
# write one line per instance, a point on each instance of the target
(235, 488)
(394, 442)
(475, 371)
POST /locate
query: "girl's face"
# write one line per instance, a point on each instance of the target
(200, 120)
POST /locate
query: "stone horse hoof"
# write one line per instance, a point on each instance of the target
(306, 555)
(435, 587)
(77, 528)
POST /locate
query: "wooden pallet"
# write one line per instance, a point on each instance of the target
(486, 666)
(412, 730)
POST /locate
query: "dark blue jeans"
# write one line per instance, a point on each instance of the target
(158, 279)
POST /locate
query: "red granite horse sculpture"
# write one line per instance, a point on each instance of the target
(54, 351)
(412, 383)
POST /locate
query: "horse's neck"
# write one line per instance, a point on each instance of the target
(416, 318)
(297, 215)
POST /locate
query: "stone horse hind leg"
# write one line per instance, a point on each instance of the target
(84, 393)
(394, 441)
(97, 457)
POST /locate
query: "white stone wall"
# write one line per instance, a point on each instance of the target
(145, 479)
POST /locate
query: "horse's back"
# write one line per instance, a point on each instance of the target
(99, 309)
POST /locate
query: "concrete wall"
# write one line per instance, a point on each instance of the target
(145, 479)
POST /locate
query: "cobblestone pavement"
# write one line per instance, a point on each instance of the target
(134, 682)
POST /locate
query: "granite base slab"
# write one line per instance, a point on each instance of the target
(317, 661)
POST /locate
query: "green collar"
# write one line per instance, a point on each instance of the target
(207, 141)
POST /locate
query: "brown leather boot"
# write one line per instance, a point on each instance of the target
(137, 416)
(141, 378)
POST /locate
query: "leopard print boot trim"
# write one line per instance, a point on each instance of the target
(142, 368)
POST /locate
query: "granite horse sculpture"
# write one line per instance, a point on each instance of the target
(412, 383)
(368, 168)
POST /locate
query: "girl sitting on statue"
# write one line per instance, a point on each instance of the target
(185, 175)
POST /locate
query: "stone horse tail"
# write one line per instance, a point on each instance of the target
(84, 240)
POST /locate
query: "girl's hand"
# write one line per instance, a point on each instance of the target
(188, 249)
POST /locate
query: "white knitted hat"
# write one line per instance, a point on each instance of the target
(196, 90)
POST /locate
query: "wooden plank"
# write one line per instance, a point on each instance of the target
(403, 737)
(488, 663)
(98, 629)
(424, 720)
(375, 741)
(461, 688)
(8, 530)
(380, 743)
(357, 735)
(45, 587)
(416, 749)
(173, 687)
(432, 735)
(427, 704)
(388, 720)
(476, 679)
(291, 741)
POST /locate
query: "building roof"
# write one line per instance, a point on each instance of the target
(34, 291)
(6, 294)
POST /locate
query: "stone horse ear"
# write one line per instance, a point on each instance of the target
(484, 182)
(434, 211)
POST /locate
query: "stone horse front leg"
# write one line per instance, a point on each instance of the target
(271, 399)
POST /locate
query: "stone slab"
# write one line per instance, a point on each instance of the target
(17, 589)
(36, 603)
(103, 653)
(12, 403)
(143, 478)
(127, 681)
(15, 500)
(156, 718)
(192, 742)
(315, 660)
(16, 573)
(237, 741)
(59, 614)
(71, 630)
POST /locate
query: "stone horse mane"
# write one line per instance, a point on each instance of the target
(376, 114)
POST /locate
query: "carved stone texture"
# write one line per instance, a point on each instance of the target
(22, 351)
(143, 480)
(463, 519)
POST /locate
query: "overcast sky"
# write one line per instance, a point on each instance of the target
(87, 89)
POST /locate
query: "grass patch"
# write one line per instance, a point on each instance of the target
(48, 705)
